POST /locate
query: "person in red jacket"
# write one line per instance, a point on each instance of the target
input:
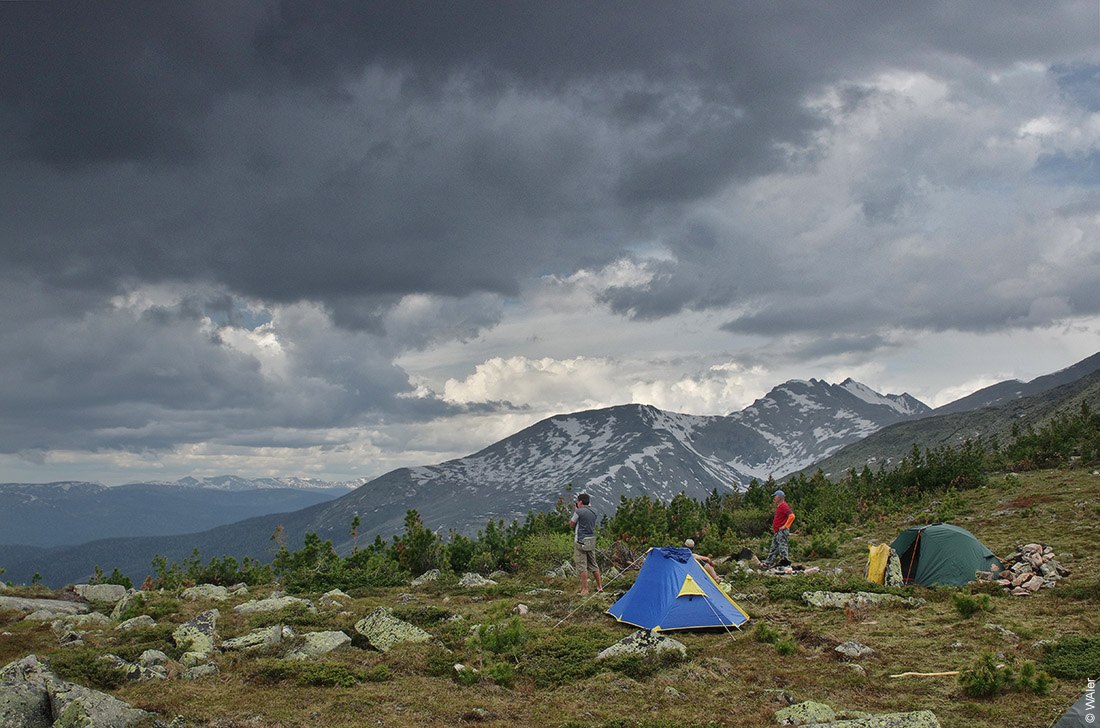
(781, 532)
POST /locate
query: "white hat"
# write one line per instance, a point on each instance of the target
(689, 543)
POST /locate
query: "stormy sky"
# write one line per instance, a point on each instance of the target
(333, 238)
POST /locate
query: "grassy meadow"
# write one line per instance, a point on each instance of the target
(538, 670)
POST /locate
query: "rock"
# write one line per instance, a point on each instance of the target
(917, 719)
(1002, 631)
(1020, 592)
(111, 593)
(32, 696)
(192, 658)
(42, 615)
(806, 713)
(57, 606)
(272, 604)
(383, 631)
(498, 574)
(643, 642)
(673, 692)
(334, 598)
(566, 569)
(205, 592)
(427, 576)
(150, 658)
(199, 671)
(843, 600)
(854, 650)
(521, 609)
(256, 639)
(72, 621)
(124, 604)
(474, 580)
(198, 635)
(142, 622)
(319, 643)
(1033, 584)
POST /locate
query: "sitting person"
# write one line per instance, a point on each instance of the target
(705, 561)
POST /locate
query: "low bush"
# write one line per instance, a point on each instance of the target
(316, 674)
(1073, 658)
(640, 667)
(968, 605)
(988, 678)
(563, 657)
(85, 666)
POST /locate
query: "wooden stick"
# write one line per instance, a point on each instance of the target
(927, 674)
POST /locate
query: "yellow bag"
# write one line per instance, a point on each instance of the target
(877, 556)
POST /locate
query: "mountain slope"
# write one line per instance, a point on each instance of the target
(890, 444)
(625, 450)
(1006, 391)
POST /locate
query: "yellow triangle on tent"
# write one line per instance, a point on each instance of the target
(691, 588)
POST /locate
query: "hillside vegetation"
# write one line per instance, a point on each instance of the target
(538, 669)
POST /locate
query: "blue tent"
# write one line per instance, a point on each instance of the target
(674, 592)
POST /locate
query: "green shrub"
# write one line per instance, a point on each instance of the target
(766, 633)
(968, 605)
(503, 674)
(823, 546)
(640, 667)
(499, 637)
(422, 616)
(297, 615)
(563, 657)
(1074, 657)
(786, 646)
(542, 552)
(988, 678)
(315, 674)
(85, 666)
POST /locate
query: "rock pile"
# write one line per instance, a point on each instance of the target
(1027, 570)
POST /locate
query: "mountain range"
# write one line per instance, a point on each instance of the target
(625, 450)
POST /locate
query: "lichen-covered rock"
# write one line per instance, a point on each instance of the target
(110, 593)
(474, 580)
(199, 634)
(32, 696)
(854, 650)
(806, 713)
(643, 642)
(383, 631)
(843, 600)
(256, 639)
(272, 604)
(143, 621)
(427, 576)
(315, 644)
(334, 598)
(915, 719)
(56, 606)
(124, 603)
(205, 592)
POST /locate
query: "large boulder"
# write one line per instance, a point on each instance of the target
(474, 580)
(383, 631)
(843, 600)
(32, 696)
(199, 635)
(143, 621)
(315, 644)
(205, 592)
(257, 639)
(55, 606)
(272, 604)
(110, 593)
(644, 643)
(915, 719)
(806, 713)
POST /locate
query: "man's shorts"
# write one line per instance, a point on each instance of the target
(584, 560)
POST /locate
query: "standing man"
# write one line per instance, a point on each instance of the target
(583, 523)
(781, 531)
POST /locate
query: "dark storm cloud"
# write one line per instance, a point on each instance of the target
(335, 158)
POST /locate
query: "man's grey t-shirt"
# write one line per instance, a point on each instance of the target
(585, 518)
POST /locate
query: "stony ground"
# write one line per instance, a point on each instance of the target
(544, 673)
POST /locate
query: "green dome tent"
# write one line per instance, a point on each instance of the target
(942, 554)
